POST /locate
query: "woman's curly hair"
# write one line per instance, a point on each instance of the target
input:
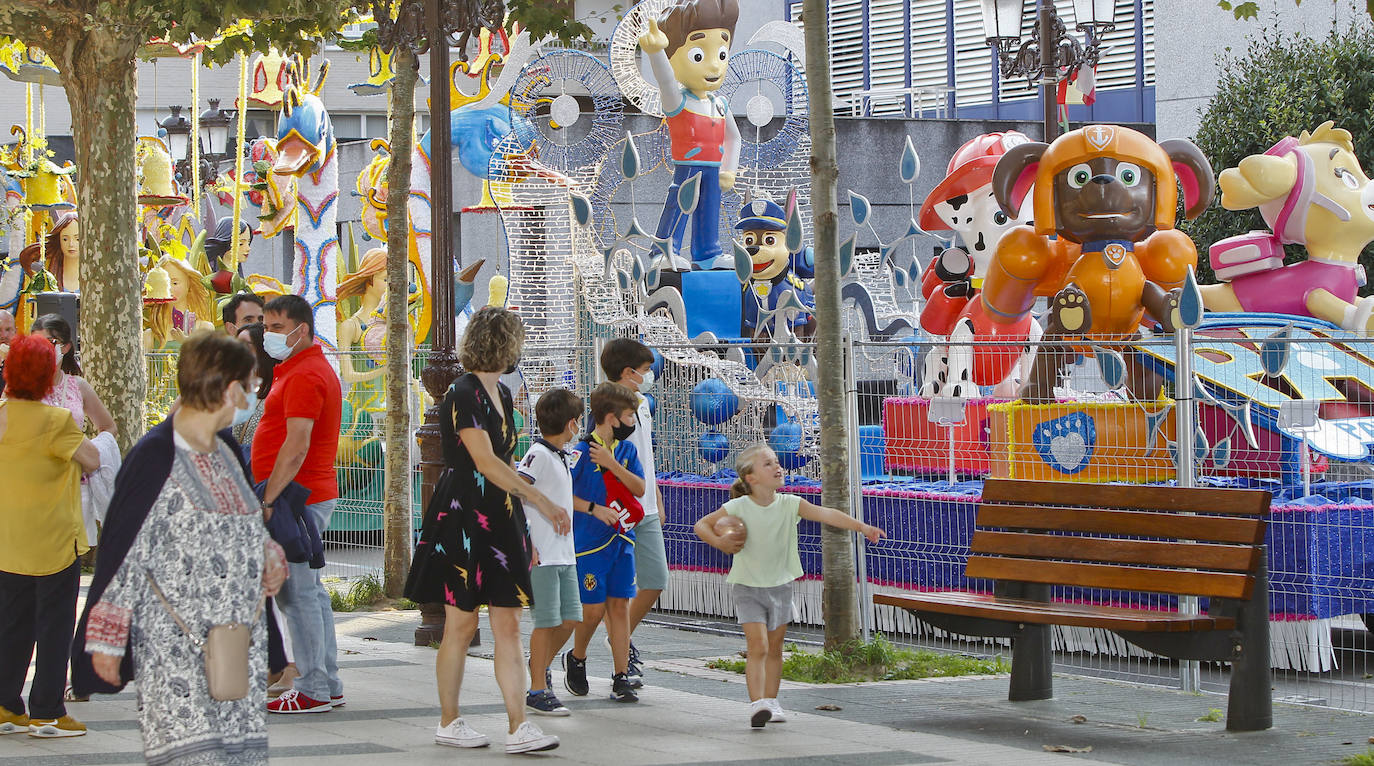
(492, 341)
(30, 367)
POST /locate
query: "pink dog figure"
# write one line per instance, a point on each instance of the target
(1310, 191)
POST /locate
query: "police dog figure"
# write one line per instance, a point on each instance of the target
(1111, 190)
(762, 228)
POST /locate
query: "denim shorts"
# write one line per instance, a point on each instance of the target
(770, 606)
(556, 599)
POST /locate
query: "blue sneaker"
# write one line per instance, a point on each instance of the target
(544, 702)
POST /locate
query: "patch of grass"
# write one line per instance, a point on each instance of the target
(338, 602)
(1213, 715)
(434, 644)
(366, 591)
(1360, 759)
(405, 603)
(876, 660)
(1142, 719)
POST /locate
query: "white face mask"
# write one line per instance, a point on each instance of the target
(276, 345)
(242, 414)
(647, 383)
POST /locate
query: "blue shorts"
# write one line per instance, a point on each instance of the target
(607, 572)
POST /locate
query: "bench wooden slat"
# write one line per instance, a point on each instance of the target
(1235, 558)
(1218, 529)
(1204, 500)
(990, 607)
(1112, 576)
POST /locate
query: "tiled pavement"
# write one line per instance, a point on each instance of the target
(692, 715)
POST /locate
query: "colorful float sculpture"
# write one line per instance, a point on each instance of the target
(1311, 191)
(688, 52)
(1103, 246)
(963, 203)
(771, 275)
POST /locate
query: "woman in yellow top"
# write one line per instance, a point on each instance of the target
(42, 455)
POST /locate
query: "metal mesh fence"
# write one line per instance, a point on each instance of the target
(1293, 414)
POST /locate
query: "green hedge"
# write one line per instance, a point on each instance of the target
(1283, 84)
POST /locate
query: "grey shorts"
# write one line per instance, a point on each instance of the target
(556, 599)
(651, 560)
(770, 606)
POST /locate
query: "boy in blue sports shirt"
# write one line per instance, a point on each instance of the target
(607, 483)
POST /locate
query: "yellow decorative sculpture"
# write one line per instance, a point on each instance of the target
(155, 185)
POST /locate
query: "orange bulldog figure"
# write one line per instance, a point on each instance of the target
(1102, 244)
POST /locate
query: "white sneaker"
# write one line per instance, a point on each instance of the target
(459, 734)
(760, 713)
(775, 708)
(527, 738)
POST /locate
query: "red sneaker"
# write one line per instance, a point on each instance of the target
(338, 701)
(293, 701)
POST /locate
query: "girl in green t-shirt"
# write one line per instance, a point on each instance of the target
(764, 566)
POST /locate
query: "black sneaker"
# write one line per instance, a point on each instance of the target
(575, 674)
(543, 702)
(634, 669)
(621, 690)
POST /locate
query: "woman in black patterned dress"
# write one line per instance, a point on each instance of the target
(474, 545)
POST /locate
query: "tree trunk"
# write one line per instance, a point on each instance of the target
(98, 74)
(397, 513)
(838, 595)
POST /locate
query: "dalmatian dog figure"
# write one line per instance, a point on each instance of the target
(963, 203)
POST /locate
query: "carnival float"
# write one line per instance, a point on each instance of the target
(1057, 331)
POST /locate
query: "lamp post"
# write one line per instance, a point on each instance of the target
(443, 367)
(178, 130)
(214, 136)
(1050, 48)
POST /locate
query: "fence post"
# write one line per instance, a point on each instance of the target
(1185, 445)
(856, 495)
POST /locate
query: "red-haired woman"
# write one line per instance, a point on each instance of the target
(42, 455)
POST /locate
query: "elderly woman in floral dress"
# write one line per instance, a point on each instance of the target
(184, 521)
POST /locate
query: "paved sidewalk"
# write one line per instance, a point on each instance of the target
(690, 715)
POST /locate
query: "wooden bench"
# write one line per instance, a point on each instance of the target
(1032, 535)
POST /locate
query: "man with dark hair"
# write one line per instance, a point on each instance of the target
(688, 53)
(296, 440)
(240, 311)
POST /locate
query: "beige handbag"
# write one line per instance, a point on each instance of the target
(225, 648)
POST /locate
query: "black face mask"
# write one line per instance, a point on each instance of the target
(621, 432)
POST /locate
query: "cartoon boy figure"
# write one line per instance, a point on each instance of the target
(688, 52)
(762, 225)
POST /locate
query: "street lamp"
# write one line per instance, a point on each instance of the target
(1062, 52)
(214, 133)
(178, 134)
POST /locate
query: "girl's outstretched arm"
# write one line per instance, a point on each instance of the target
(831, 517)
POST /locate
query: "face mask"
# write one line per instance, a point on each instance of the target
(276, 346)
(621, 432)
(242, 414)
(647, 383)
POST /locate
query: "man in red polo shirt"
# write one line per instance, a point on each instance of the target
(296, 441)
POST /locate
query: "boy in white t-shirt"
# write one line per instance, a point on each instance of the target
(557, 607)
(630, 363)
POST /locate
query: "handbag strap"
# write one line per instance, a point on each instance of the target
(182, 623)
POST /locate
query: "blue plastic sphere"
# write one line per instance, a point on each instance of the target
(713, 402)
(713, 446)
(786, 442)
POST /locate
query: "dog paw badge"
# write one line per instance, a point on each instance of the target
(1066, 443)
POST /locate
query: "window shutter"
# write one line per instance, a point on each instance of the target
(887, 41)
(929, 40)
(973, 59)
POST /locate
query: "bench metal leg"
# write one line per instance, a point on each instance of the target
(1032, 665)
(1251, 706)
